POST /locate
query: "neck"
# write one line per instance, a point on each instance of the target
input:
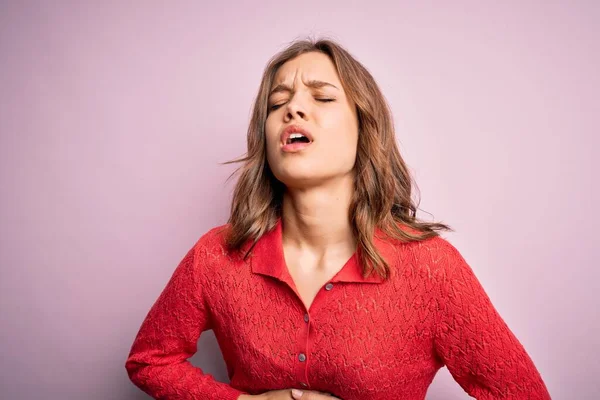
(317, 218)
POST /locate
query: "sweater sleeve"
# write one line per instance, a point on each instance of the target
(475, 343)
(168, 336)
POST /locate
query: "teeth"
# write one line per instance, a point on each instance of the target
(293, 136)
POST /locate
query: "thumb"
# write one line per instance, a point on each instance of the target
(298, 394)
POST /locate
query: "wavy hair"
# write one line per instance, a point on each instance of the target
(382, 185)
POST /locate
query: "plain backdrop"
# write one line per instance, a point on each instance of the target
(115, 117)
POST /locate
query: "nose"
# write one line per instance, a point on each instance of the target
(293, 113)
(295, 109)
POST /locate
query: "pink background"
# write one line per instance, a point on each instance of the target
(114, 118)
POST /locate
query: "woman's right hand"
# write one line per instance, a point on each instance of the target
(285, 394)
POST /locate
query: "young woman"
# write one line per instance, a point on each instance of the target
(324, 284)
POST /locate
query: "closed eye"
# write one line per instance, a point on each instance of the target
(276, 106)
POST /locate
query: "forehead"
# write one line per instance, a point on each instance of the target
(305, 67)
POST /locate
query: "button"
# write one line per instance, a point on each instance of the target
(305, 317)
(303, 384)
(329, 286)
(302, 357)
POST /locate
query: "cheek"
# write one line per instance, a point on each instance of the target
(339, 152)
(344, 134)
(342, 120)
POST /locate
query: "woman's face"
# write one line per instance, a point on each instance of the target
(308, 94)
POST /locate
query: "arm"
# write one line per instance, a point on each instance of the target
(472, 339)
(157, 363)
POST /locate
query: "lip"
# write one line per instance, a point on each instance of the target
(294, 146)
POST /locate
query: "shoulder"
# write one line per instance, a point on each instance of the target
(214, 237)
(212, 245)
(436, 246)
(211, 255)
(435, 256)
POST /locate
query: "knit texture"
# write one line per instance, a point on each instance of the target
(361, 339)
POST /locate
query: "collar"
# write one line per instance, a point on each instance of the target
(268, 258)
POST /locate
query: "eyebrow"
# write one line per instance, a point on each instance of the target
(315, 84)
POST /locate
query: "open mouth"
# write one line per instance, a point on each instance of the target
(297, 138)
(296, 142)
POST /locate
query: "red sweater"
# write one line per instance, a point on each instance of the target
(361, 339)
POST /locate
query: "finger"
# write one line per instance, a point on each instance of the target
(312, 395)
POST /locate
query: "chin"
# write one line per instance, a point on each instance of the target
(297, 181)
(302, 181)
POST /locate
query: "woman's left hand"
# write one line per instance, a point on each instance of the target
(311, 395)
